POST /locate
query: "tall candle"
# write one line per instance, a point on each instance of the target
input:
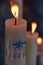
(31, 47)
(15, 39)
(15, 44)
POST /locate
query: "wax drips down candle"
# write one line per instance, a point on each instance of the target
(15, 40)
(31, 45)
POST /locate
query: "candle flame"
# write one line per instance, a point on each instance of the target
(15, 10)
(34, 26)
(39, 40)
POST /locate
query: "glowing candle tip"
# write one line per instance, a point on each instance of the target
(34, 26)
(15, 11)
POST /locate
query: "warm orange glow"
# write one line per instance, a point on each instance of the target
(34, 26)
(15, 10)
(39, 40)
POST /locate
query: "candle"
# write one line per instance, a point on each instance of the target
(18, 37)
(15, 39)
(31, 46)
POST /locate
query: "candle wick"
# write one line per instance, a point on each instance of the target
(15, 20)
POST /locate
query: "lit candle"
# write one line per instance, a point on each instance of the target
(31, 46)
(15, 39)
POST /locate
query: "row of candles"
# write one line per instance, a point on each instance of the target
(15, 39)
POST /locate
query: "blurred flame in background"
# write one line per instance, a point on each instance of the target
(39, 40)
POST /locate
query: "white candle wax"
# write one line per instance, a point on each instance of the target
(15, 48)
(31, 48)
(8, 23)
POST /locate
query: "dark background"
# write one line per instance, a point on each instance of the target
(4, 14)
(32, 11)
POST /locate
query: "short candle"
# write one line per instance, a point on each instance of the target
(31, 46)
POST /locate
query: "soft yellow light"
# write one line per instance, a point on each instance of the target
(34, 26)
(39, 40)
(15, 10)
